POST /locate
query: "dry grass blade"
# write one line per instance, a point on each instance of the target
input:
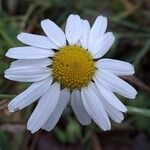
(137, 82)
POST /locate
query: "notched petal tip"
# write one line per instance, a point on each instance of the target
(31, 130)
(106, 129)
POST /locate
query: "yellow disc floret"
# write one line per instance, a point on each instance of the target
(73, 67)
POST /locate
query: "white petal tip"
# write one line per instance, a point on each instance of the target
(30, 128)
(119, 121)
(6, 76)
(20, 35)
(103, 17)
(44, 21)
(111, 36)
(106, 129)
(71, 15)
(134, 94)
(6, 72)
(11, 108)
(48, 130)
(133, 72)
(109, 128)
(125, 110)
(32, 131)
(85, 123)
(7, 54)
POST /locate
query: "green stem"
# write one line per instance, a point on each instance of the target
(139, 111)
(7, 96)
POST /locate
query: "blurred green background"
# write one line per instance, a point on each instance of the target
(130, 22)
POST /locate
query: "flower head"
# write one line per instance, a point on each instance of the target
(68, 66)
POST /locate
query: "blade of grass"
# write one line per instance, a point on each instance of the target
(27, 16)
(6, 96)
(139, 111)
(6, 38)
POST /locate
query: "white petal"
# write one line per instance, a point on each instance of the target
(78, 108)
(102, 44)
(44, 108)
(27, 74)
(29, 52)
(73, 29)
(55, 33)
(35, 91)
(115, 66)
(115, 84)
(36, 40)
(112, 112)
(98, 29)
(95, 108)
(85, 33)
(54, 117)
(99, 26)
(110, 97)
(40, 63)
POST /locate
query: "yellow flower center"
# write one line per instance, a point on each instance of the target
(73, 67)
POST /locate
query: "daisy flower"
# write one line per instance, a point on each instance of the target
(65, 67)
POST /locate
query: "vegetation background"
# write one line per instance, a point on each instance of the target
(130, 22)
